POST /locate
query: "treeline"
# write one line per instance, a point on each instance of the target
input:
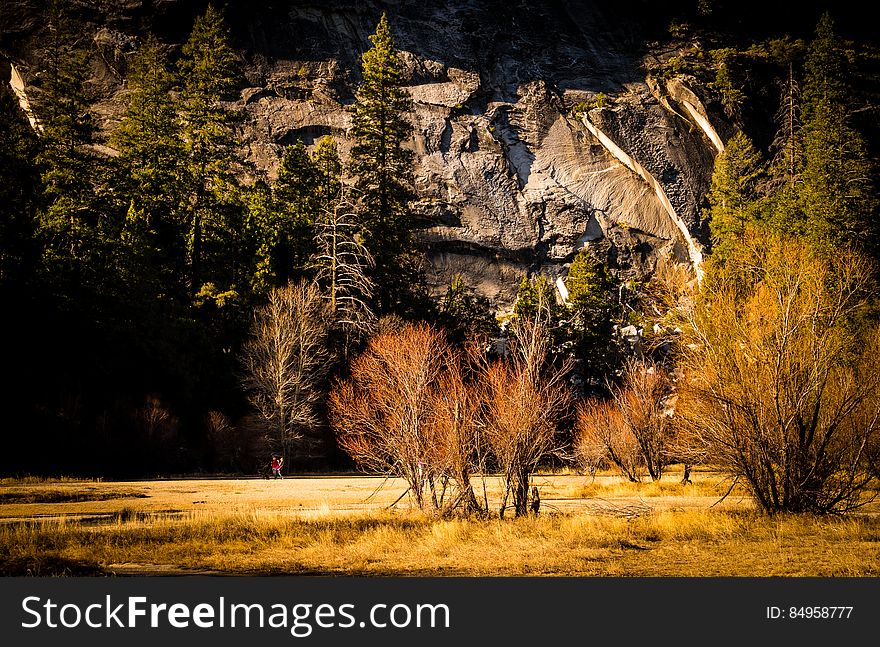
(162, 291)
(172, 311)
(774, 375)
(816, 182)
(768, 370)
(130, 269)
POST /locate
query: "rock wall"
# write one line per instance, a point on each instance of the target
(509, 179)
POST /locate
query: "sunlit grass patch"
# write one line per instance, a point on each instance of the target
(705, 485)
(37, 480)
(623, 531)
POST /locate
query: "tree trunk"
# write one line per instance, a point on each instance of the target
(521, 494)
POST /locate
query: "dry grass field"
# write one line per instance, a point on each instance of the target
(344, 525)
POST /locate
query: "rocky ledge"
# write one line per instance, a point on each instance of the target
(538, 127)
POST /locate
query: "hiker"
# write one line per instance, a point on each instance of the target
(277, 462)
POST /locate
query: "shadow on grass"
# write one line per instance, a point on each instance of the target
(61, 496)
(48, 566)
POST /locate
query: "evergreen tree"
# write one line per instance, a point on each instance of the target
(328, 171)
(297, 200)
(593, 311)
(781, 207)
(384, 170)
(297, 182)
(263, 233)
(209, 71)
(151, 158)
(536, 304)
(590, 287)
(728, 80)
(536, 299)
(836, 184)
(465, 316)
(19, 185)
(787, 161)
(825, 69)
(732, 195)
(68, 223)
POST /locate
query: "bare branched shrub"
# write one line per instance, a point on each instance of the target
(382, 416)
(641, 400)
(455, 448)
(286, 360)
(632, 430)
(525, 397)
(602, 435)
(783, 376)
(158, 432)
(156, 423)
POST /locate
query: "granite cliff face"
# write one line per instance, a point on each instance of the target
(510, 178)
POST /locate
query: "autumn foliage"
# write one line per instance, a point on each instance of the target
(416, 408)
(782, 384)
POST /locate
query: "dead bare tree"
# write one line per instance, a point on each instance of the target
(525, 397)
(341, 262)
(155, 422)
(285, 361)
(382, 416)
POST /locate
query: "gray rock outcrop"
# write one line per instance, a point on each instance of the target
(510, 179)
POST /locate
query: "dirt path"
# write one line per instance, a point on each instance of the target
(301, 496)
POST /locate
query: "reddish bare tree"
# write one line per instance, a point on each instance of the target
(456, 449)
(602, 435)
(525, 397)
(641, 400)
(382, 416)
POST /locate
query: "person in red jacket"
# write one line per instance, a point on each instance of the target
(277, 462)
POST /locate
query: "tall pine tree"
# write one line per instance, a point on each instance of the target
(72, 231)
(328, 172)
(781, 204)
(152, 162)
(296, 196)
(384, 171)
(732, 195)
(263, 233)
(209, 73)
(593, 310)
(838, 201)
